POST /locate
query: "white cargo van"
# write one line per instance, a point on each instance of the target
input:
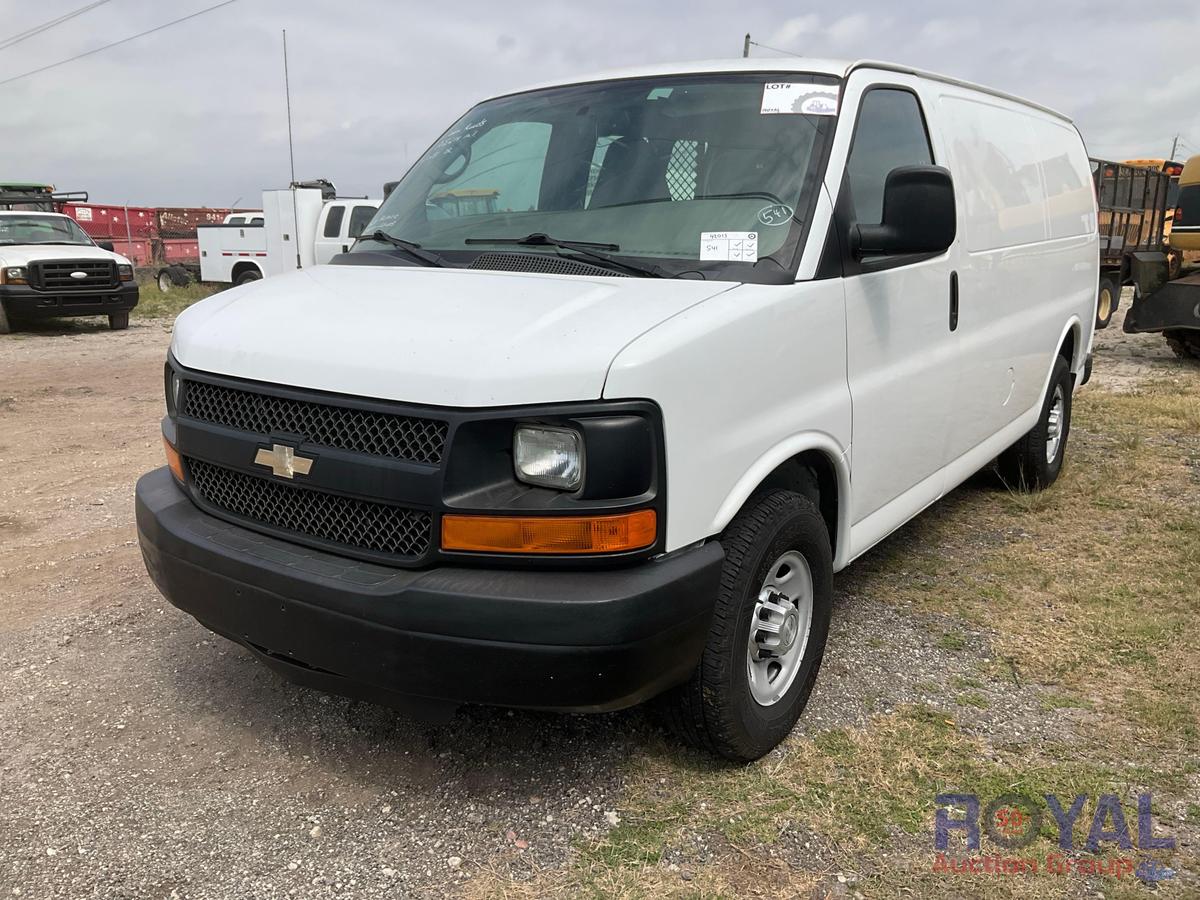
(621, 373)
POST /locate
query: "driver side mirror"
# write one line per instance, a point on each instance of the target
(106, 245)
(388, 187)
(918, 214)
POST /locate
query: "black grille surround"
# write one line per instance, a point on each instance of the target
(370, 507)
(324, 425)
(58, 275)
(343, 522)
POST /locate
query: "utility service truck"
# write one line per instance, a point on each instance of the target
(304, 225)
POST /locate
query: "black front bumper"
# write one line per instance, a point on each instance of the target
(566, 640)
(24, 302)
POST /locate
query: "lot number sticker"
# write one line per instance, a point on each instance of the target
(787, 97)
(731, 246)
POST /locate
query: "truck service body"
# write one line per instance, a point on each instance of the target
(713, 331)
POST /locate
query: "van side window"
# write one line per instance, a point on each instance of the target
(333, 221)
(359, 217)
(890, 133)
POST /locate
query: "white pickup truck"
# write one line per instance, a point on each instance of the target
(49, 267)
(626, 369)
(298, 227)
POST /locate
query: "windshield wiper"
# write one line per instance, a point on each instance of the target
(412, 248)
(589, 249)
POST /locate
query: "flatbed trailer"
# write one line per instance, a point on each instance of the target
(1173, 307)
(1132, 205)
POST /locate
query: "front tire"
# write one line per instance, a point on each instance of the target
(5, 327)
(118, 321)
(768, 632)
(1034, 462)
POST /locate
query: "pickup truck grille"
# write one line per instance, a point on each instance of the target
(320, 424)
(345, 522)
(58, 275)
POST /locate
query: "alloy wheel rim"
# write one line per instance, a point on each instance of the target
(779, 628)
(1054, 424)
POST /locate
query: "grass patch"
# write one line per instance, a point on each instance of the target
(154, 304)
(973, 698)
(951, 641)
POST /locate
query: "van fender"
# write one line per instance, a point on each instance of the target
(772, 459)
(1080, 354)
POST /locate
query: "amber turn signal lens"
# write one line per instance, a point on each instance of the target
(550, 534)
(174, 460)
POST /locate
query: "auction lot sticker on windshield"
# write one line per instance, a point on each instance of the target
(789, 97)
(732, 246)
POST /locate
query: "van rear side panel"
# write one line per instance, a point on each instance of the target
(1027, 253)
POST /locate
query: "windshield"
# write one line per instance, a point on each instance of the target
(707, 176)
(35, 229)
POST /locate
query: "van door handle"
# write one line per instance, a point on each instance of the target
(953, 301)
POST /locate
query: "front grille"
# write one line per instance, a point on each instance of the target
(356, 430)
(59, 274)
(540, 262)
(330, 518)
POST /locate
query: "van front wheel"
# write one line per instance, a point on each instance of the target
(768, 631)
(1033, 462)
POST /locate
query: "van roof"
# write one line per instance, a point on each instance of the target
(840, 68)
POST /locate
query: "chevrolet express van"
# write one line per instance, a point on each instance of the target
(718, 330)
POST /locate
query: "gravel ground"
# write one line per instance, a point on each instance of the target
(142, 757)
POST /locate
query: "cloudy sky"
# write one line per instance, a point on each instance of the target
(195, 114)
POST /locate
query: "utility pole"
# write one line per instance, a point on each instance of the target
(1174, 146)
(746, 45)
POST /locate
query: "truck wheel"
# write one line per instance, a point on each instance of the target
(248, 276)
(1185, 343)
(1108, 296)
(165, 282)
(118, 321)
(5, 327)
(1033, 462)
(768, 632)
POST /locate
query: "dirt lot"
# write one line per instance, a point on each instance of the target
(1002, 642)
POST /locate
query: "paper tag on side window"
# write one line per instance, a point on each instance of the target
(731, 246)
(787, 97)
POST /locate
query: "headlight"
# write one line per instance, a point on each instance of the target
(549, 457)
(125, 272)
(15, 275)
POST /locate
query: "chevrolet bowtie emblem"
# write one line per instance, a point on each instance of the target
(283, 461)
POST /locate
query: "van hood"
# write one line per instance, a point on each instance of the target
(23, 254)
(446, 337)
